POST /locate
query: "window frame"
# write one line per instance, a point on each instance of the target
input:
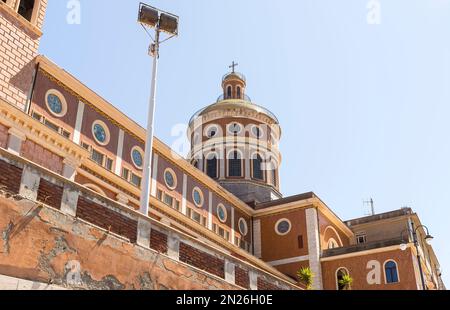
(105, 128)
(34, 14)
(279, 222)
(174, 176)
(396, 269)
(222, 207)
(141, 151)
(61, 98)
(202, 197)
(229, 159)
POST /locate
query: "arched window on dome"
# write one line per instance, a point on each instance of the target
(257, 168)
(211, 166)
(229, 92)
(239, 95)
(234, 164)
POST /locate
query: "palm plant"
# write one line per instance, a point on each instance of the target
(346, 281)
(306, 276)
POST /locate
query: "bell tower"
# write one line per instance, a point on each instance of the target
(235, 142)
(21, 24)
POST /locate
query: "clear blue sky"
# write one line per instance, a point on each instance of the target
(364, 108)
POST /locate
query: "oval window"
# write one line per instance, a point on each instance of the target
(257, 131)
(56, 103)
(222, 213)
(170, 178)
(283, 227)
(212, 131)
(100, 132)
(243, 228)
(197, 196)
(234, 129)
(136, 156)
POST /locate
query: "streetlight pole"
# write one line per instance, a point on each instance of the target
(428, 238)
(162, 22)
(416, 244)
(145, 191)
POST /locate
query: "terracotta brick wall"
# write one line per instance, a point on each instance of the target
(263, 285)
(42, 156)
(202, 260)
(50, 194)
(10, 177)
(3, 136)
(242, 277)
(158, 241)
(107, 219)
(18, 48)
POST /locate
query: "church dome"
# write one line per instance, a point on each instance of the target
(235, 142)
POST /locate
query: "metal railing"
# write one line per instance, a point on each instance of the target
(223, 97)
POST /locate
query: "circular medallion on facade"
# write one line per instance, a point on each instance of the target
(257, 131)
(243, 228)
(283, 227)
(212, 131)
(197, 196)
(222, 213)
(56, 103)
(100, 132)
(234, 128)
(170, 178)
(137, 157)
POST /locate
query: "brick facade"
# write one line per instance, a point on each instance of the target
(18, 48)
(3, 136)
(50, 194)
(158, 241)
(242, 277)
(10, 177)
(202, 260)
(42, 156)
(264, 285)
(107, 219)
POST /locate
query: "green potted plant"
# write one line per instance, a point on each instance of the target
(346, 282)
(306, 276)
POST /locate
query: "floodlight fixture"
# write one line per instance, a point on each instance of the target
(155, 18)
(148, 15)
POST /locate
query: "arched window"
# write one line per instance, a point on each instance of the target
(332, 244)
(234, 164)
(257, 168)
(339, 277)
(229, 92)
(239, 92)
(211, 166)
(391, 272)
(195, 163)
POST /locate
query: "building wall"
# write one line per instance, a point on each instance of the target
(41, 156)
(185, 183)
(329, 230)
(383, 230)
(3, 136)
(286, 246)
(19, 42)
(360, 267)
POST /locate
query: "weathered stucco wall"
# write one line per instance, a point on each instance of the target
(44, 245)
